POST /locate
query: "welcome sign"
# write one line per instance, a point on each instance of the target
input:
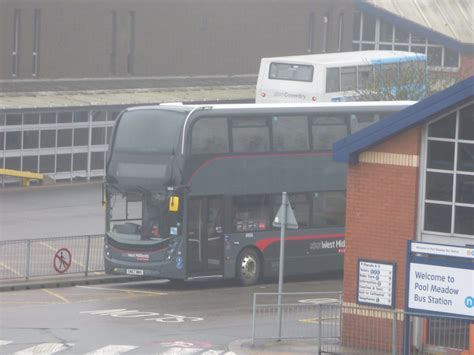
(442, 285)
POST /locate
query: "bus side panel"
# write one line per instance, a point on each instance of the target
(307, 251)
(314, 253)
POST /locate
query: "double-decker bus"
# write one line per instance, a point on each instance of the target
(340, 76)
(191, 191)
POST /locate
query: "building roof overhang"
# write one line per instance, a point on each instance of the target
(434, 25)
(348, 149)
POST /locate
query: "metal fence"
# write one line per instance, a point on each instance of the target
(347, 328)
(433, 335)
(25, 259)
(305, 315)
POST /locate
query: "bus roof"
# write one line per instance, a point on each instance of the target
(348, 58)
(342, 105)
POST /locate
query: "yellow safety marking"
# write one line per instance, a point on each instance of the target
(21, 174)
(52, 249)
(316, 320)
(10, 269)
(65, 300)
(124, 290)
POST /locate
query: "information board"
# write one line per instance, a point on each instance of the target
(376, 282)
(441, 289)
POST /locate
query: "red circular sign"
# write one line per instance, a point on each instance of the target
(62, 260)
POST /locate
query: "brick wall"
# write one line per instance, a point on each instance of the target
(381, 211)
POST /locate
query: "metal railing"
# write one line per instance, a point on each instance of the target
(305, 315)
(25, 259)
(348, 328)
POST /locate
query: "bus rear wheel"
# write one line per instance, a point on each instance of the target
(249, 267)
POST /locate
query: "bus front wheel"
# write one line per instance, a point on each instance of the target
(249, 267)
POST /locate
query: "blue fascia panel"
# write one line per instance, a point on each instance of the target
(348, 149)
(408, 25)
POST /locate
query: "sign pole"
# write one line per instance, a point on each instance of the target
(284, 205)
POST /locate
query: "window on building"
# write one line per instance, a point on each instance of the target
(47, 164)
(386, 32)
(368, 28)
(79, 161)
(81, 137)
(30, 163)
(64, 117)
(31, 118)
(98, 136)
(356, 26)
(64, 137)
(13, 120)
(30, 139)
(380, 34)
(48, 138)
(63, 163)
(449, 177)
(48, 118)
(12, 140)
(97, 160)
(435, 56)
(13, 163)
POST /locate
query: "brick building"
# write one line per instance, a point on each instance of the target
(410, 177)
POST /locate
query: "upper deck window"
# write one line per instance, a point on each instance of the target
(210, 136)
(287, 71)
(250, 134)
(148, 131)
(290, 133)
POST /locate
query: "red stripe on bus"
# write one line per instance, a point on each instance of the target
(264, 243)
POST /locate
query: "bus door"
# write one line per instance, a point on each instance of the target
(205, 236)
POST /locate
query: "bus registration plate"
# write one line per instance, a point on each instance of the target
(134, 272)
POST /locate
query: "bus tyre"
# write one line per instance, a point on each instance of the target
(249, 267)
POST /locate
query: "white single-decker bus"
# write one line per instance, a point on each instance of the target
(329, 77)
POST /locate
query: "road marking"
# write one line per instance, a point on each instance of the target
(112, 350)
(125, 313)
(43, 349)
(124, 290)
(65, 300)
(4, 342)
(11, 269)
(181, 351)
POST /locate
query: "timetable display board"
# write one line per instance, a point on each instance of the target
(376, 283)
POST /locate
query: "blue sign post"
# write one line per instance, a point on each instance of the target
(439, 282)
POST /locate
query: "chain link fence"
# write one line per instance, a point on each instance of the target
(25, 259)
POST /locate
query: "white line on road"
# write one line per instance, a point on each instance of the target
(4, 342)
(43, 349)
(123, 290)
(112, 350)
